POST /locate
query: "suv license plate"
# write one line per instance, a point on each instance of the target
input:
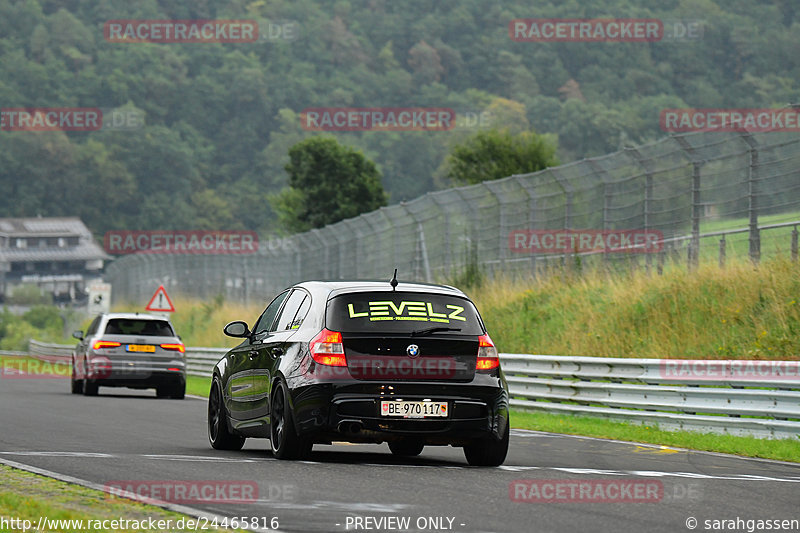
(414, 409)
(141, 348)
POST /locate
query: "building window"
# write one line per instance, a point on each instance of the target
(22, 243)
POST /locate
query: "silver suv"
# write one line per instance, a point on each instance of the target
(129, 350)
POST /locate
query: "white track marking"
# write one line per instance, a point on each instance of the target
(92, 455)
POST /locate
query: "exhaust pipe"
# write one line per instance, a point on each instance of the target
(350, 426)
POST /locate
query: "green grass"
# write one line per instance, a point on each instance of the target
(30, 496)
(774, 242)
(778, 449)
(198, 386)
(740, 312)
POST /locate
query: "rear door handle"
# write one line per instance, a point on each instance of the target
(276, 352)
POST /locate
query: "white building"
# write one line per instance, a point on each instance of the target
(59, 255)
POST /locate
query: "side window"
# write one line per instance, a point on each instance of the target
(93, 327)
(268, 316)
(286, 320)
(301, 313)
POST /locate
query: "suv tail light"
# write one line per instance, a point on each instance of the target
(487, 354)
(177, 347)
(105, 344)
(327, 348)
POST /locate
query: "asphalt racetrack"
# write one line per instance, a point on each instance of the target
(549, 482)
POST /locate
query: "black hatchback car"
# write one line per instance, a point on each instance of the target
(360, 361)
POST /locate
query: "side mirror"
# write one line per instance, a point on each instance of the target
(237, 328)
(78, 334)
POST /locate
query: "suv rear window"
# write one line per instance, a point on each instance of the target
(401, 312)
(147, 328)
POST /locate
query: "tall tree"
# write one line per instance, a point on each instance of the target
(494, 154)
(328, 182)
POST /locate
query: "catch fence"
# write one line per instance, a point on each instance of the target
(688, 189)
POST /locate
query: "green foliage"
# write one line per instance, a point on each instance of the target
(328, 182)
(41, 322)
(42, 316)
(28, 294)
(495, 154)
(218, 119)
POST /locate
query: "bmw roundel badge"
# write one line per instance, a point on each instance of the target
(412, 350)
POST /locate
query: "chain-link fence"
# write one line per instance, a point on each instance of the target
(688, 189)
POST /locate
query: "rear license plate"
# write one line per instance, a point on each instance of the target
(414, 409)
(140, 348)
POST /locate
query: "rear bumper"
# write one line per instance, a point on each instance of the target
(351, 412)
(142, 380)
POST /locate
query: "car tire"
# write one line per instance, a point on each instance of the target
(90, 387)
(76, 384)
(218, 434)
(406, 447)
(284, 440)
(488, 452)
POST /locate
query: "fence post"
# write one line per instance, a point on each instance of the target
(794, 244)
(697, 165)
(446, 237)
(503, 239)
(606, 201)
(423, 250)
(722, 251)
(566, 188)
(647, 165)
(531, 211)
(752, 197)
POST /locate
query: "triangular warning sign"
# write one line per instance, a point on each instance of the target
(160, 302)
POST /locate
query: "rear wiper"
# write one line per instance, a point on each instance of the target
(426, 331)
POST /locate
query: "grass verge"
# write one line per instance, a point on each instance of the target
(27, 496)
(198, 386)
(778, 449)
(739, 312)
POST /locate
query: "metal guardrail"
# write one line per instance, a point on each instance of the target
(49, 350)
(641, 390)
(738, 402)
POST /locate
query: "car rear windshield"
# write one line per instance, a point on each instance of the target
(147, 328)
(402, 312)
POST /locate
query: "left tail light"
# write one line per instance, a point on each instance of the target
(487, 354)
(105, 344)
(327, 348)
